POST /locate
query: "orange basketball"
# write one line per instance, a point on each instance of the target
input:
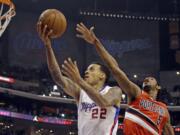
(55, 20)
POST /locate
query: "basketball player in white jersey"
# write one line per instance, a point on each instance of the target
(98, 105)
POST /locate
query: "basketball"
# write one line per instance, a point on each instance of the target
(55, 20)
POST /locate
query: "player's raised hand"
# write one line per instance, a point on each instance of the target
(44, 33)
(85, 33)
(70, 69)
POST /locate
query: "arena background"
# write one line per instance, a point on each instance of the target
(144, 39)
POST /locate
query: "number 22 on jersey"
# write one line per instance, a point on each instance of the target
(99, 113)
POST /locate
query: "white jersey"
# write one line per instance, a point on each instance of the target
(94, 120)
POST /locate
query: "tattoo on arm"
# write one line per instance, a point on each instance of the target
(66, 84)
(69, 87)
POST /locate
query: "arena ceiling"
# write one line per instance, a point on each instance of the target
(164, 7)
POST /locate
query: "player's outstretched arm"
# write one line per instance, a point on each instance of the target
(66, 84)
(168, 129)
(111, 98)
(131, 89)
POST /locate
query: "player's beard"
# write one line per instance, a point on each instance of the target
(147, 88)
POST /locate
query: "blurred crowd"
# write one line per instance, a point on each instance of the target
(37, 108)
(38, 81)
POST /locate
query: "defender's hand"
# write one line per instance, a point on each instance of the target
(44, 33)
(85, 33)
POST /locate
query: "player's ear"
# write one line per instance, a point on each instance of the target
(103, 76)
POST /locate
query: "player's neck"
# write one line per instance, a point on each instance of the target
(153, 94)
(99, 86)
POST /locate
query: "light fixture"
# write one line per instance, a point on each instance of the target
(177, 73)
(135, 76)
(62, 115)
(55, 87)
(130, 16)
(123, 96)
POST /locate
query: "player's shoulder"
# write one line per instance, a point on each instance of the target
(116, 89)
